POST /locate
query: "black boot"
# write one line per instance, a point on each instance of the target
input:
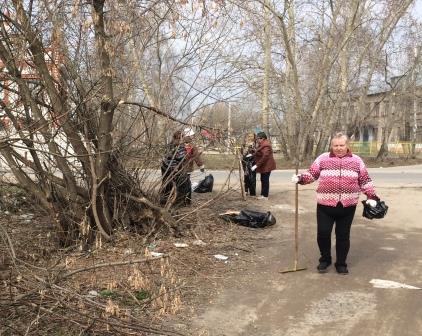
(323, 266)
(342, 269)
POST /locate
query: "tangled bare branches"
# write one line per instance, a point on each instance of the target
(69, 300)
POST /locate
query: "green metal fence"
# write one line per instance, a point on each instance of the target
(364, 147)
(371, 148)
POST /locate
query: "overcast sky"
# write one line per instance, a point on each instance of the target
(418, 9)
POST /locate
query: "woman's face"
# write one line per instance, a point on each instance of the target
(250, 138)
(339, 146)
(177, 138)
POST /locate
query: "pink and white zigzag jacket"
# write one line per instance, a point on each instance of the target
(340, 179)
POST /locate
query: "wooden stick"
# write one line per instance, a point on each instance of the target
(296, 217)
(111, 264)
(241, 176)
(295, 268)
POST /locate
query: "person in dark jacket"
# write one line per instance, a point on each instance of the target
(264, 163)
(247, 151)
(176, 184)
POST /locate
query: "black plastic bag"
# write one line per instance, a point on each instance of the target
(378, 211)
(205, 185)
(249, 175)
(249, 218)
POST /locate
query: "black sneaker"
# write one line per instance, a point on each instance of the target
(323, 266)
(342, 269)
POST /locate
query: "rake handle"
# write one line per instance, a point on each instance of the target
(296, 218)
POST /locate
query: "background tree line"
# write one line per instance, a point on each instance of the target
(92, 88)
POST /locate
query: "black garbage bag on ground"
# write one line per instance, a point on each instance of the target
(378, 211)
(205, 185)
(249, 175)
(249, 218)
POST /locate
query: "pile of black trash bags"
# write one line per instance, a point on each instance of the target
(250, 218)
(205, 185)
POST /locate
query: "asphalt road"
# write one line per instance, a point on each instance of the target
(405, 176)
(258, 300)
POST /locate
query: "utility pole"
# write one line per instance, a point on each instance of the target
(229, 127)
(415, 104)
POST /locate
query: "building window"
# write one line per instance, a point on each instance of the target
(367, 109)
(376, 109)
(384, 111)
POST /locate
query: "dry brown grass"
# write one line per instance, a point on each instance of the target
(118, 287)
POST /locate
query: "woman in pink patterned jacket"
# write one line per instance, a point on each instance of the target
(342, 176)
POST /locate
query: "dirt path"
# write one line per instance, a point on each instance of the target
(259, 300)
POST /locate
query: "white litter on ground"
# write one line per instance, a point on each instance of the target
(181, 245)
(387, 248)
(378, 283)
(194, 185)
(127, 251)
(199, 242)
(220, 257)
(92, 293)
(156, 254)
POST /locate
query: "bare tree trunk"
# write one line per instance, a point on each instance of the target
(297, 111)
(383, 151)
(414, 105)
(322, 110)
(267, 65)
(105, 125)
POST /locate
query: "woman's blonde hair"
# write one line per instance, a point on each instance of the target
(340, 135)
(249, 138)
